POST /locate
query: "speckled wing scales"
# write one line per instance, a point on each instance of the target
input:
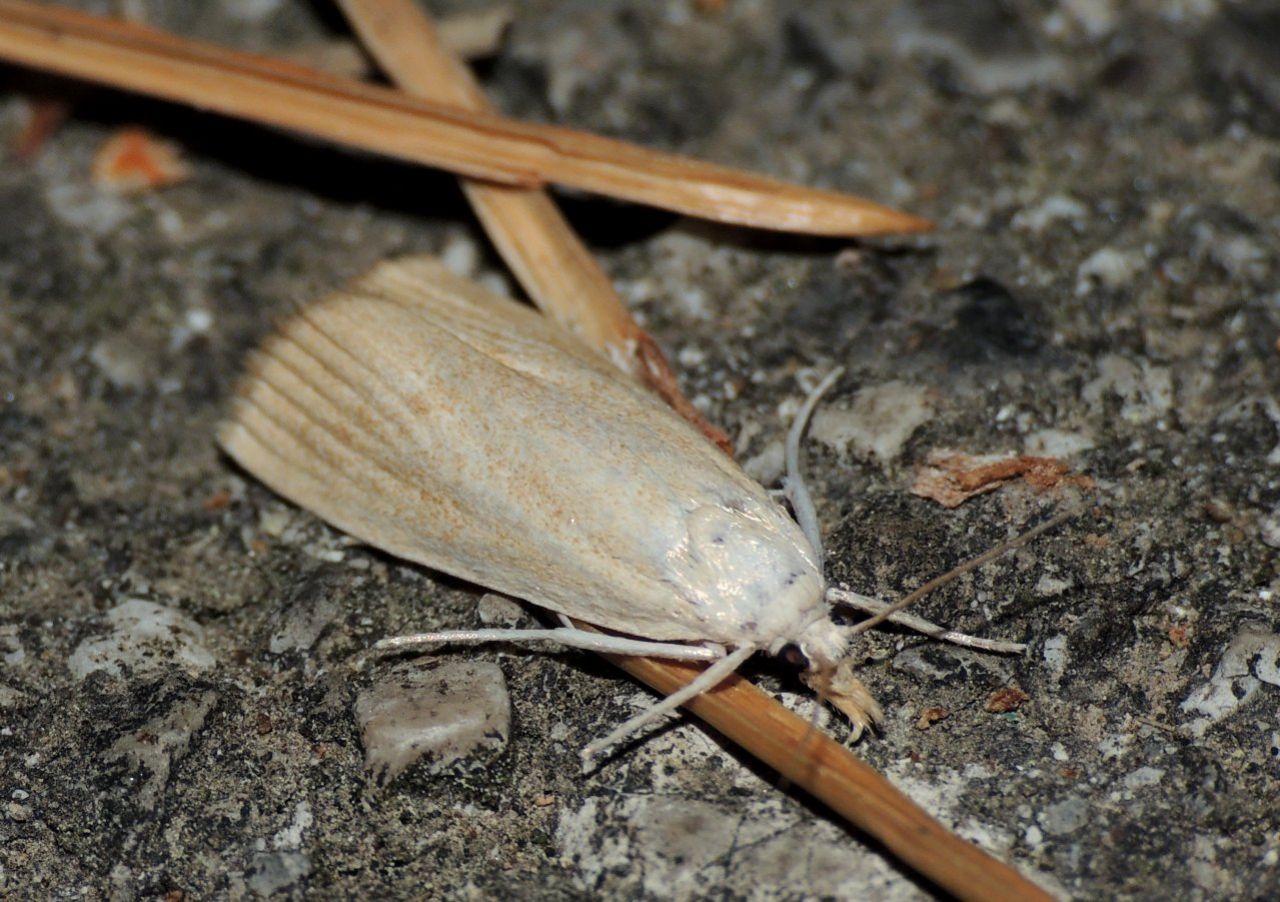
(458, 429)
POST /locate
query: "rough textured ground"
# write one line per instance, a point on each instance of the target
(177, 709)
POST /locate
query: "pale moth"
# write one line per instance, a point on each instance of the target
(458, 429)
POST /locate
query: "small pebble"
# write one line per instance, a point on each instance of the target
(439, 716)
(1112, 269)
(272, 872)
(144, 638)
(498, 609)
(121, 360)
(878, 424)
(1002, 701)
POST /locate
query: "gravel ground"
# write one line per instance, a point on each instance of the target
(178, 712)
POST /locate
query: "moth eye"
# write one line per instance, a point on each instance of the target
(793, 655)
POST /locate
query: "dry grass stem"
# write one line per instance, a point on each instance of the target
(479, 145)
(474, 34)
(471, 34)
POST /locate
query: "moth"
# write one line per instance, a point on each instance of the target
(460, 430)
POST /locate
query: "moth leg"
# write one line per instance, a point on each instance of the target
(920, 625)
(704, 682)
(793, 483)
(575, 638)
(714, 649)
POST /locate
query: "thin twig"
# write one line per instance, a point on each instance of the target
(480, 145)
(548, 258)
(471, 34)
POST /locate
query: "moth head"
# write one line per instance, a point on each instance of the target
(831, 674)
(821, 644)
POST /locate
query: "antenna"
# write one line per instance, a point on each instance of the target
(972, 564)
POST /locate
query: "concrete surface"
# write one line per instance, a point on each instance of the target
(178, 713)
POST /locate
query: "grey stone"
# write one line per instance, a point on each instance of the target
(453, 713)
(152, 749)
(878, 423)
(274, 872)
(145, 637)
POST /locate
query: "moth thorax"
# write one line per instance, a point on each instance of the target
(749, 574)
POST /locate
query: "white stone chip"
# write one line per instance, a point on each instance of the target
(1250, 660)
(1065, 817)
(439, 715)
(1111, 268)
(878, 423)
(145, 638)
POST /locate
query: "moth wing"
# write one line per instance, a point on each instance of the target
(511, 333)
(460, 430)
